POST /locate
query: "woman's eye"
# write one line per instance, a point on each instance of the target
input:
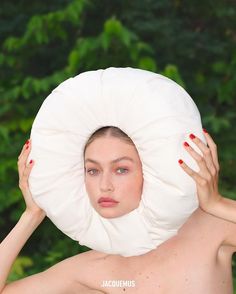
(91, 170)
(123, 169)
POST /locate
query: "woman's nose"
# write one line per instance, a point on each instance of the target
(106, 183)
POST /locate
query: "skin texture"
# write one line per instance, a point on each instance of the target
(121, 180)
(196, 260)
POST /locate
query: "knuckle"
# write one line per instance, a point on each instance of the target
(200, 159)
(203, 182)
(191, 173)
(208, 178)
(214, 146)
(22, 185)
(213, 172)
(207, 152)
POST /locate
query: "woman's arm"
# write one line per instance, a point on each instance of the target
(13, 243)
(52, 280)
(207, 179)
(28, 222)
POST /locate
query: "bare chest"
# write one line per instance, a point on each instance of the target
(188, 268)
(192, 262)
(175, 267)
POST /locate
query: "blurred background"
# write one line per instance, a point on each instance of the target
(45, 42)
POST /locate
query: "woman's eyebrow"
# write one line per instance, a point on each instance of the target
(113, 161)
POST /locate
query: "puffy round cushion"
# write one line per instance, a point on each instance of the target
(157, 114)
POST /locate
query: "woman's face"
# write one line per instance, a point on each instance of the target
(108, 174)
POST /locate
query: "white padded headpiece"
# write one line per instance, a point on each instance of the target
(157, 114)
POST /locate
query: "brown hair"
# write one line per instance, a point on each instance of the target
(109, 131)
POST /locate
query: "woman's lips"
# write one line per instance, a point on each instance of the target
(107, 202)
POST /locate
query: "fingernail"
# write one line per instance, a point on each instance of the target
(31, 161)
(192, 136)
(186, 144)
(27, 142)
(180, 161)
(27, 147)
(204, 130)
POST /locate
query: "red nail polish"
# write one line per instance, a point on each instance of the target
(27, 142)
(186, 144)
(31, 161)
(192, 136)
(180, 161)
(204, 130)
(27, 147)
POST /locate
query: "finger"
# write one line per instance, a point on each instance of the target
(213, 148)
(206, 151)
(204, 172)
(25, 150)
(197, 178)
(23, 159)
(25, 175)
(24, 147)
(25, 153)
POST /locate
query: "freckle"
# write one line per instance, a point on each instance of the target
(123, 289)
(147, 277)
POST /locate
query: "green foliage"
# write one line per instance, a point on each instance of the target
(171, 71)
(42, 29)
(115, 40)
(192, 43)
(19, 266)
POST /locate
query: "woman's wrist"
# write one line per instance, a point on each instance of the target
(212, 205)
(36, 216)
(222, 207)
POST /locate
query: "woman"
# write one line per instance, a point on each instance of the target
(196, 260)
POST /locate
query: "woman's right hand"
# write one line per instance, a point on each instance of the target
(24, 170)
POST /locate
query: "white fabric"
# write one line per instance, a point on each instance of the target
(157, 114)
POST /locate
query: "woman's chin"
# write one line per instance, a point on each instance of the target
(110, 213)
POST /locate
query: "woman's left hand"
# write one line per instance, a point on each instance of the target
(207, 177)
